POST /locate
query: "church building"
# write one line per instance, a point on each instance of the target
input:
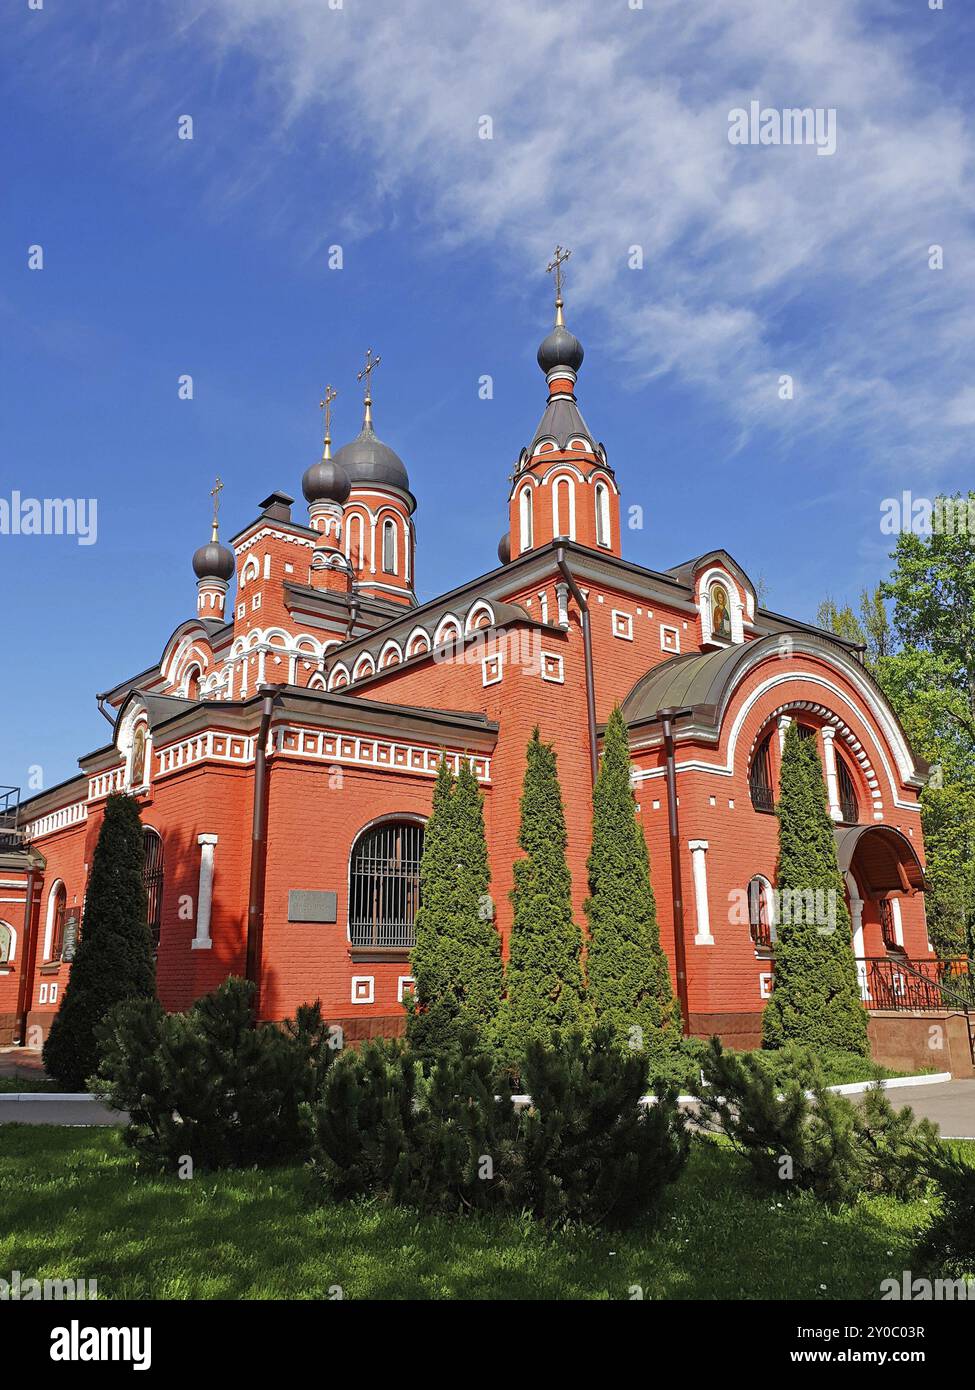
(283, 749)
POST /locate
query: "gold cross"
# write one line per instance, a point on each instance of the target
(367, 371)
(215, 492)
(556, 264)
(326, 405)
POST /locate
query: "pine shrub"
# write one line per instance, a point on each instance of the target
(450, 1139)
(593, 1151)
(947, 1246)
(797, 1135)
(114, 959)
(211, 1085)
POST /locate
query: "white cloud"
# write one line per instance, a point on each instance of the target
(610, 128)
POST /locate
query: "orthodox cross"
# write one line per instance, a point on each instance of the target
(366, 374)
(326, 405)
(215, 492)
(556, 264)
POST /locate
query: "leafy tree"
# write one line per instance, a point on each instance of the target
(843, 621)
(114, 958)
(924, 659)
(815, 996)
(544, 975)
(456, 961)
(628, 977)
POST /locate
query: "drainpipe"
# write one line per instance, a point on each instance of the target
(100, 701)
(27, 958)
(353, 614)
(255, 905)
(583, 607)
(667, 717)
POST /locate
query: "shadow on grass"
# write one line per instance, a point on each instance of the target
(76, 1206)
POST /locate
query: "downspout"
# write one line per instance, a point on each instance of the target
(27, 959)
(666, 717)
(583, 607)
(255, 904)
(100, 701)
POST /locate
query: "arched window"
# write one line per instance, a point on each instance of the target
(806, 731)
(6, 943)
(602, 515)
(193, 683)
(152, 877)
(56, 909)
(760, 912)
(760, 777)
(389, 546)
(849, 803)
(384, 884)
(525, 515)
(563, 509)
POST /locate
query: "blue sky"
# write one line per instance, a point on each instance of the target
(356, 124)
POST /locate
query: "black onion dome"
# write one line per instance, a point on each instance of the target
(326, 481)
(560, 349)
(214, 561)
(366, 459)
(504, 548)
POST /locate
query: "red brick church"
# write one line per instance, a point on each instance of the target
(283, 748)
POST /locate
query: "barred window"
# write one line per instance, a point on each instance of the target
(58, 909)
(152, 877)
(849, 805)
(760, 777)
(384, 885)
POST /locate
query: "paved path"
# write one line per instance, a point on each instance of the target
(57, 1112)
(951, 1104)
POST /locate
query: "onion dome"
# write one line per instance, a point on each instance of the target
(214, 561)
(560, 349)
(504, 548)
(326, 481)
(366, 459)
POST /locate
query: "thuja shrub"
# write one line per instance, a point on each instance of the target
(211, 1086)
(797, 1135)
(451, 1139)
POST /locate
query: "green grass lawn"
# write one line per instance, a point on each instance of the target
(10, 1084)
(74, 1205)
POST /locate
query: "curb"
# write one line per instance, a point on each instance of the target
(49, 1095)
(850, 1088)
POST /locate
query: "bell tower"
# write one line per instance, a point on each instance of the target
(563, 485)
(377, 519)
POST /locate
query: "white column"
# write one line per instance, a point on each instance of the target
(699, 849)
(784, 721)
(856, 917)
(204, 897)
(829, 764)
(895, 913)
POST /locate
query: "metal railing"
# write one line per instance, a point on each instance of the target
(763, 797)
(11, 835)
(916, 986)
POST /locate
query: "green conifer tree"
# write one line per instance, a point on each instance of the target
(456, 961)
(479, 979)
(628, 977)
(114, 959)
(544, 975)
(815, 997)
